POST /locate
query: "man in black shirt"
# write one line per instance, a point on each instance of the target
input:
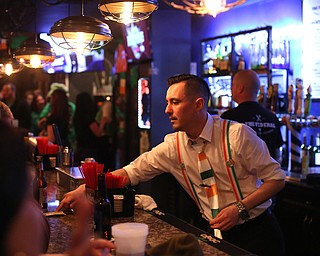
(245, 87)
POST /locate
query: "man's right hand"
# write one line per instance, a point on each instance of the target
(72, 198)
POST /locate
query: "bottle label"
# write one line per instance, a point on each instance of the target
(118, 201)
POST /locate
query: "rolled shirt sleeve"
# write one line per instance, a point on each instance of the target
(160, 159)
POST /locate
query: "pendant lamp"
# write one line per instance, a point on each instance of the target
(80, 33)
(127, 11)
(34, 53)
(203, 7)
(8, 64)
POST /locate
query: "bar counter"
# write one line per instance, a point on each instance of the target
(162, 226)
(298, 211)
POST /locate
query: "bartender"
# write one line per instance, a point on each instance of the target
(236, 208)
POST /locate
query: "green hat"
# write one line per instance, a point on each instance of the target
(56, 86)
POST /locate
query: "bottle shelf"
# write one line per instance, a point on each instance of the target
(302, 122)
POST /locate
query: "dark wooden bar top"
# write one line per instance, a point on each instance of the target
(162, 226)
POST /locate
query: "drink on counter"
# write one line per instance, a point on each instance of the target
(130, 238)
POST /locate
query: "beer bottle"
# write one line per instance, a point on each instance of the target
(102, 211)
(40, 185)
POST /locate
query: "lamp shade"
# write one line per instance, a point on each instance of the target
(127, 11)
(35, 53)
(84, 32)
(203, 7)
(9, 65)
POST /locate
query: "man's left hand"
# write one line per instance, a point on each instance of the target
(226, 218)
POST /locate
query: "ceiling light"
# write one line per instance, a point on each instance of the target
(202, 7)
(80, 33)
(127, 11)
(8, 64)
(34, 53)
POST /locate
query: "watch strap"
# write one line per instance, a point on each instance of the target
(243, 212)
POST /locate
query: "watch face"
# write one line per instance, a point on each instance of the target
(244, 214)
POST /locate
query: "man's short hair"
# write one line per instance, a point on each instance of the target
(194, 85)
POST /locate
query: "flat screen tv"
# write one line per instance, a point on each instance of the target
(136, 42)
(70, 62)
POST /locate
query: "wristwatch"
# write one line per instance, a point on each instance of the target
(243, 213)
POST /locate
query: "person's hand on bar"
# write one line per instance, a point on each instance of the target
(82, 245)
(72, 198)
(95, 247)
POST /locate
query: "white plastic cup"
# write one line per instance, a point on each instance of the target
(130, 238)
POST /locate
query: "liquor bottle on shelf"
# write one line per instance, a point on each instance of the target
(291, 99)
(307, 102)
(263, 61)
(274, 98)
(304, 156)
(261, 96)
(208, 58)
(317, 151)
(241, 63)
(299, 98)
(40, 185)
(102, 211)
(269, 97)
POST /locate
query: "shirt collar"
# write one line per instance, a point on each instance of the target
(205, 135)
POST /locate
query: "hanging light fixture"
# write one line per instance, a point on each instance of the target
(127, 11)
(80, 33)
(8, 64)
(34, 53)
(202, 7)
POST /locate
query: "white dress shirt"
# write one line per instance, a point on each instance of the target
(250, 154)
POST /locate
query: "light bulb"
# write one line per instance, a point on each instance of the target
(126, 15)
(80, 42)
(8, 69)
(214, 7)
(35, 61)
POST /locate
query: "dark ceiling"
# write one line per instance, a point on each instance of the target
(39, 15)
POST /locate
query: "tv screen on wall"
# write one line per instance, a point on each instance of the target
(136, 41)
(67, 61)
